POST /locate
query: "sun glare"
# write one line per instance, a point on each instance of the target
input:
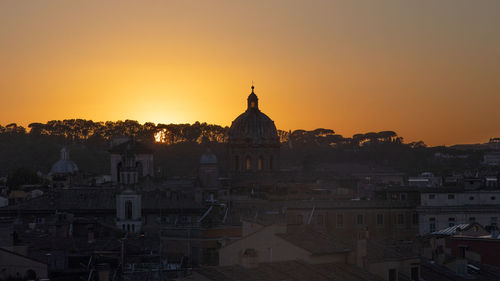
(160, 136)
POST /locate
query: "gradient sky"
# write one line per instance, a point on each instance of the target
(429, 70)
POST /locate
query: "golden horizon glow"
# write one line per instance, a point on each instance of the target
(427, 70)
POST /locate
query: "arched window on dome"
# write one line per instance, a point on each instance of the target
(236, 163)
(260, 163)
(128, 209)
(249, 163)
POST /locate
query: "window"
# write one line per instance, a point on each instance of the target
(403, 196)
(432, 225)
(392, 275)
(259, 164)
(271, 163)
(494, 221)
(471, 198)
(380, 219)
(128, 209)
(463, 250)
(432, 196)
(340, 220)
(451, 196)
(451, 222)
(401, 219)
(414, 274)
(493, 198)
(360, 219)
(133, 228)
(414, 218)
(249, 163)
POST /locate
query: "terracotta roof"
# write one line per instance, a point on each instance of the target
(389, 250)
(23, 256)
(316, 243)
(290, 270)
(97, 199)
(18, 194)
(431, 271)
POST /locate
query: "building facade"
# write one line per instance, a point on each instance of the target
(446, 207)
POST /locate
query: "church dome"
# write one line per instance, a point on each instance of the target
(208, 157)
(64, 165)
(252, 126)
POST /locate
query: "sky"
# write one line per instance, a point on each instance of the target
(429, 70)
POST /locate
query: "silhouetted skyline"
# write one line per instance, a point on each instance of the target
(427, 70)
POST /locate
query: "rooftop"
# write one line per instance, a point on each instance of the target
(316, 243)
(290, 270)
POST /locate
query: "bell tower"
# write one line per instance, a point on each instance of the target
(128, 199)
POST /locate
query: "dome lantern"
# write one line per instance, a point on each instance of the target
(253, 101)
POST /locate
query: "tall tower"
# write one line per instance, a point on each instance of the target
(208, 172)
(128, 199)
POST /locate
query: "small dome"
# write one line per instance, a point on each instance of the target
(208, 157)
(64, 165)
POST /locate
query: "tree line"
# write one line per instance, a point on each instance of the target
(83, 131)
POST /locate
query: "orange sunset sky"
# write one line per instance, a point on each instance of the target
(429, 70)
